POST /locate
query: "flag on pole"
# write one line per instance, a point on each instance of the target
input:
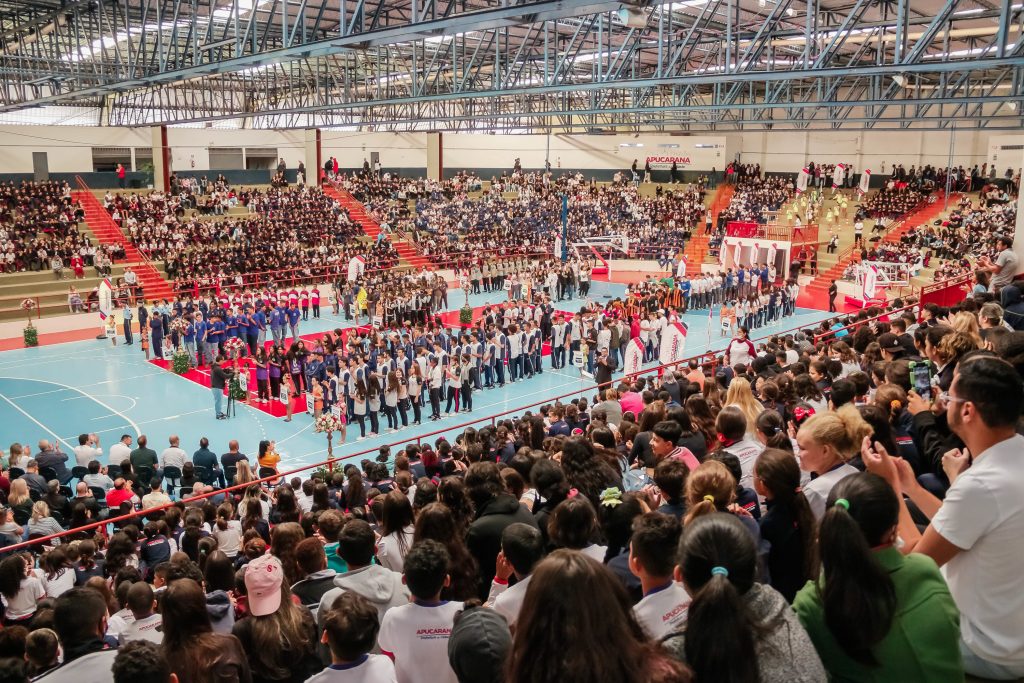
(865, 182)
(837, 176)
(737, 254)
(802, 179)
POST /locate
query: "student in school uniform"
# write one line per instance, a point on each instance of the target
(350, 629)
(415, 636)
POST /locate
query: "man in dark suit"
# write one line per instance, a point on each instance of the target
(604, 368)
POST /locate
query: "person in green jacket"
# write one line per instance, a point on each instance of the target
(875, 614)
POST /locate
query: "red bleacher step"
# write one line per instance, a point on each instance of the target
(108, 232)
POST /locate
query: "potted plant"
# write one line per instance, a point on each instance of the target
(30, 334)
(180, 362)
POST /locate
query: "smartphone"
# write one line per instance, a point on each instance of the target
(922, 380)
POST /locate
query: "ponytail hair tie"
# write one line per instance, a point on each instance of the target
(719, 571)
(798, 489)
(842, 503)
(573, 493)
(895, 404)
(709, 498)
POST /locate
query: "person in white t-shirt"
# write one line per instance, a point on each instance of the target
(976, 533)
(522, 546)
(652, 550)
(350, 629)
(121, 450)
(416, 635)
(88, 449)
(148, 624)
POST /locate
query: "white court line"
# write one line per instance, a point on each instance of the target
(71, 388)
(93, 384)
(48, 430)
(146, 422)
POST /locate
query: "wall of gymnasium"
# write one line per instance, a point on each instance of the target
(69, 149)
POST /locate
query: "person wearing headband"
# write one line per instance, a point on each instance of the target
(874, 613)
(737, 629)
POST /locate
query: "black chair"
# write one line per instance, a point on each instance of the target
(48, 473)
(267, 472)
(16, 473)
(35, 495)
(99, 494)
(172, 475)
(78, 472)
(143, 476)
(205, 474)
(66, 491)
(229, 474)
(114, 471)
(184, 491)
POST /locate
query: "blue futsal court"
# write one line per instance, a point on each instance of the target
(62, 390)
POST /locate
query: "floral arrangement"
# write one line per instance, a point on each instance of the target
(29, 334)
(327, 423)
(179, 325)
(466, 315)
(180, 362)
(234, 347)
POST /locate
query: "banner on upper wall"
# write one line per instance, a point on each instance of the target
(106, 299)
(673, 342)
(634, 357)
(664, 162)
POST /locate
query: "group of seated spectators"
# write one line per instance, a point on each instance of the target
(754, 198)
(890, 202)
(837, 503)
(38, 224)
(449, 225)
(299, 230)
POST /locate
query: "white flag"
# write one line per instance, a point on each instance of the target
(865, 182)
(837, 176)
(738, 253)
(870, 282)
(802, 179)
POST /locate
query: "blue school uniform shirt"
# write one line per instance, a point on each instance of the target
(293, 316)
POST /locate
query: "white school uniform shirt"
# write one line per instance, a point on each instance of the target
(663, 610)
(515, 344)
(983, 514)
(645, 329)
(508, 600)
(816, 491)
(558, 334)
(366, 669)
(417, 636)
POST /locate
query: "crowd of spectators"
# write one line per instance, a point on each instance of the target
(450, 225)
(754, 198)
(835, 506)
(298, 230)
(39, 231)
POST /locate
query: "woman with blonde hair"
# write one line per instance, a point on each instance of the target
(20, 502)
(826, 443)
(42, 524)
(966, 323)
(742, 396)
(243, 473)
